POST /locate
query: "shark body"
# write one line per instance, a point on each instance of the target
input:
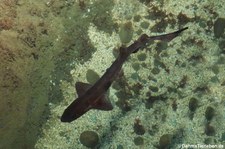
(93, 96)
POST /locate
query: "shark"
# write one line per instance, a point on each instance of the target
(94, 96)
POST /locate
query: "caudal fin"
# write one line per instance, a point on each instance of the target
(167, 37)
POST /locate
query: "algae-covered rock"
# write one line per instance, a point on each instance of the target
(193, 104)
(136, 66)
(89, 139)
(26, 64)
(142, 57)
(138, 141)
(209, 113)
(136, 18)
(219, 27)
(165, 141)
(91, 76)
(144, 24)
(138, 128)
(126, 32)
(209, 130)
(23, 99)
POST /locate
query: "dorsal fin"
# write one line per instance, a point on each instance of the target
(81, 88)
(102, 104)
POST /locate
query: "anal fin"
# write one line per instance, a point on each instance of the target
(103, 104)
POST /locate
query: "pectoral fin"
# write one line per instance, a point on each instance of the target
(103, 104)
(81, 88)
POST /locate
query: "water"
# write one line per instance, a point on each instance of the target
(169, 95)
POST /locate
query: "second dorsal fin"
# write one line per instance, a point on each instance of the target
(81, 88)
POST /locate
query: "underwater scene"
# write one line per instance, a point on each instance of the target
(112, 74)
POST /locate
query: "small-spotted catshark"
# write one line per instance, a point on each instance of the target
(93, 96)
